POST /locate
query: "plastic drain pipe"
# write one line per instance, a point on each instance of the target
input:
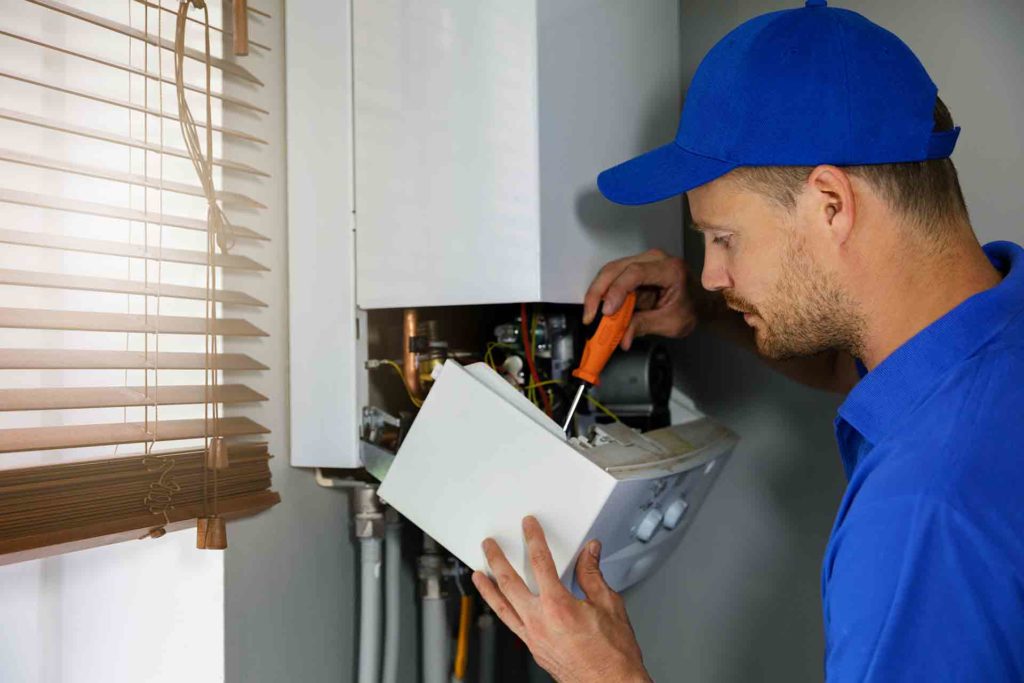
(369, 522)
(392, 593)
(436, 643)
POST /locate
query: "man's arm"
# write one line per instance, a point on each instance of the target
(671, 302)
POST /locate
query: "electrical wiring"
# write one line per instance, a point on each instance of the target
(397, 368)
(528, 352)
(489, 352)
(599, 406)
(545, 383)
(533, 354)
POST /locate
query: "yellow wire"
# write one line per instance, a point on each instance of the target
(597, 404)
(600, 407)
(489, 354)
(531, 388)
(415, 401)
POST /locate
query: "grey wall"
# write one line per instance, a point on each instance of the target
(739, 601)
(290, 573)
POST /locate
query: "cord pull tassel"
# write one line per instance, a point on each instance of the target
(211, 533)
(217, 454)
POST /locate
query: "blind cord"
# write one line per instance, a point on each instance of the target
(219, 234)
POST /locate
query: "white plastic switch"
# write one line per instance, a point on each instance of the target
(648, 525)
(674, 513)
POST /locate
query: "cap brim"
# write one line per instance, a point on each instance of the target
(659, 174)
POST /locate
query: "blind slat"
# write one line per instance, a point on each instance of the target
(70, 539)
(193, 20)
(65, 473)
(125, 30)
(124, 104)
(75, 436)
(121, 66)
(103, 136)
(130, 178)
(87, 321)
(26, 278)
(106, 211)
(46, 241)
(60, 398)
(73, 359)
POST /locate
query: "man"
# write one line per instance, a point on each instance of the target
(814, 153)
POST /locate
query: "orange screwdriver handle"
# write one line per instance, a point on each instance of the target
(602, 345)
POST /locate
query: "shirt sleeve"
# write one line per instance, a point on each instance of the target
(915, 591)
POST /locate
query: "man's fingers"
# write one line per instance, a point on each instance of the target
(509, 582)
(540, 558)
(607, 275)
(631, 333)
(501, 606)
(664, 273)
(589, 577)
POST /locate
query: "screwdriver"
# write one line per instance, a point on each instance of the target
(599, 349)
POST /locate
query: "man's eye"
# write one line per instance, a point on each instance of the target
(722, 240)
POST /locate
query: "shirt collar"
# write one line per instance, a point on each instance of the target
(906, 377)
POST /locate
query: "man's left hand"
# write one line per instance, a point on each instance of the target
(576, 641)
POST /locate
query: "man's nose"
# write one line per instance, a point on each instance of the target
(714, 277)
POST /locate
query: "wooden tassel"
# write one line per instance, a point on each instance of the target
(211, 533)
(241, 27)
(217, 454)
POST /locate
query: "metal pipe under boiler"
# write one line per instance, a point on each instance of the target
(436, 658)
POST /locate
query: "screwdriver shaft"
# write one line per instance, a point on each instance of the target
(572, 408)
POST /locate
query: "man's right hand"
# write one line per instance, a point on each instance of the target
(664, 305)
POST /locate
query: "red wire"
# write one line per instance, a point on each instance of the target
(528, 348)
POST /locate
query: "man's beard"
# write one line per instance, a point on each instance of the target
(808, 313)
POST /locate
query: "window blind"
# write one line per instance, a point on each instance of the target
(113, 319)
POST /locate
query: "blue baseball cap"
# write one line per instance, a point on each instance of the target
(799, 87)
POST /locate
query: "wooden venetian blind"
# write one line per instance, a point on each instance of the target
(114, 382)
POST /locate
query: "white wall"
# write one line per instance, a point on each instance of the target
(148, 611)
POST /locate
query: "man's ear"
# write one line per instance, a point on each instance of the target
(833, 203)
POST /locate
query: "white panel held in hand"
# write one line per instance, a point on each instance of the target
(475, 463)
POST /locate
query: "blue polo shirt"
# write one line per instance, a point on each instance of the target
(923, 578)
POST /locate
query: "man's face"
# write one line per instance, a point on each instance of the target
(763, 258)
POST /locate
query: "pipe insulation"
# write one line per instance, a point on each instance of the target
(392, 598)
(435, 641)
(370, 610)
(487, 637)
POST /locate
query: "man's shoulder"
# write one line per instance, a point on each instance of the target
(985, 391)
(962, 445)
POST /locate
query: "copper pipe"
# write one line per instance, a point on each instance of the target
(409, 366)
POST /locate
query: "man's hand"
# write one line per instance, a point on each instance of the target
(576, 641)
(663, 306)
